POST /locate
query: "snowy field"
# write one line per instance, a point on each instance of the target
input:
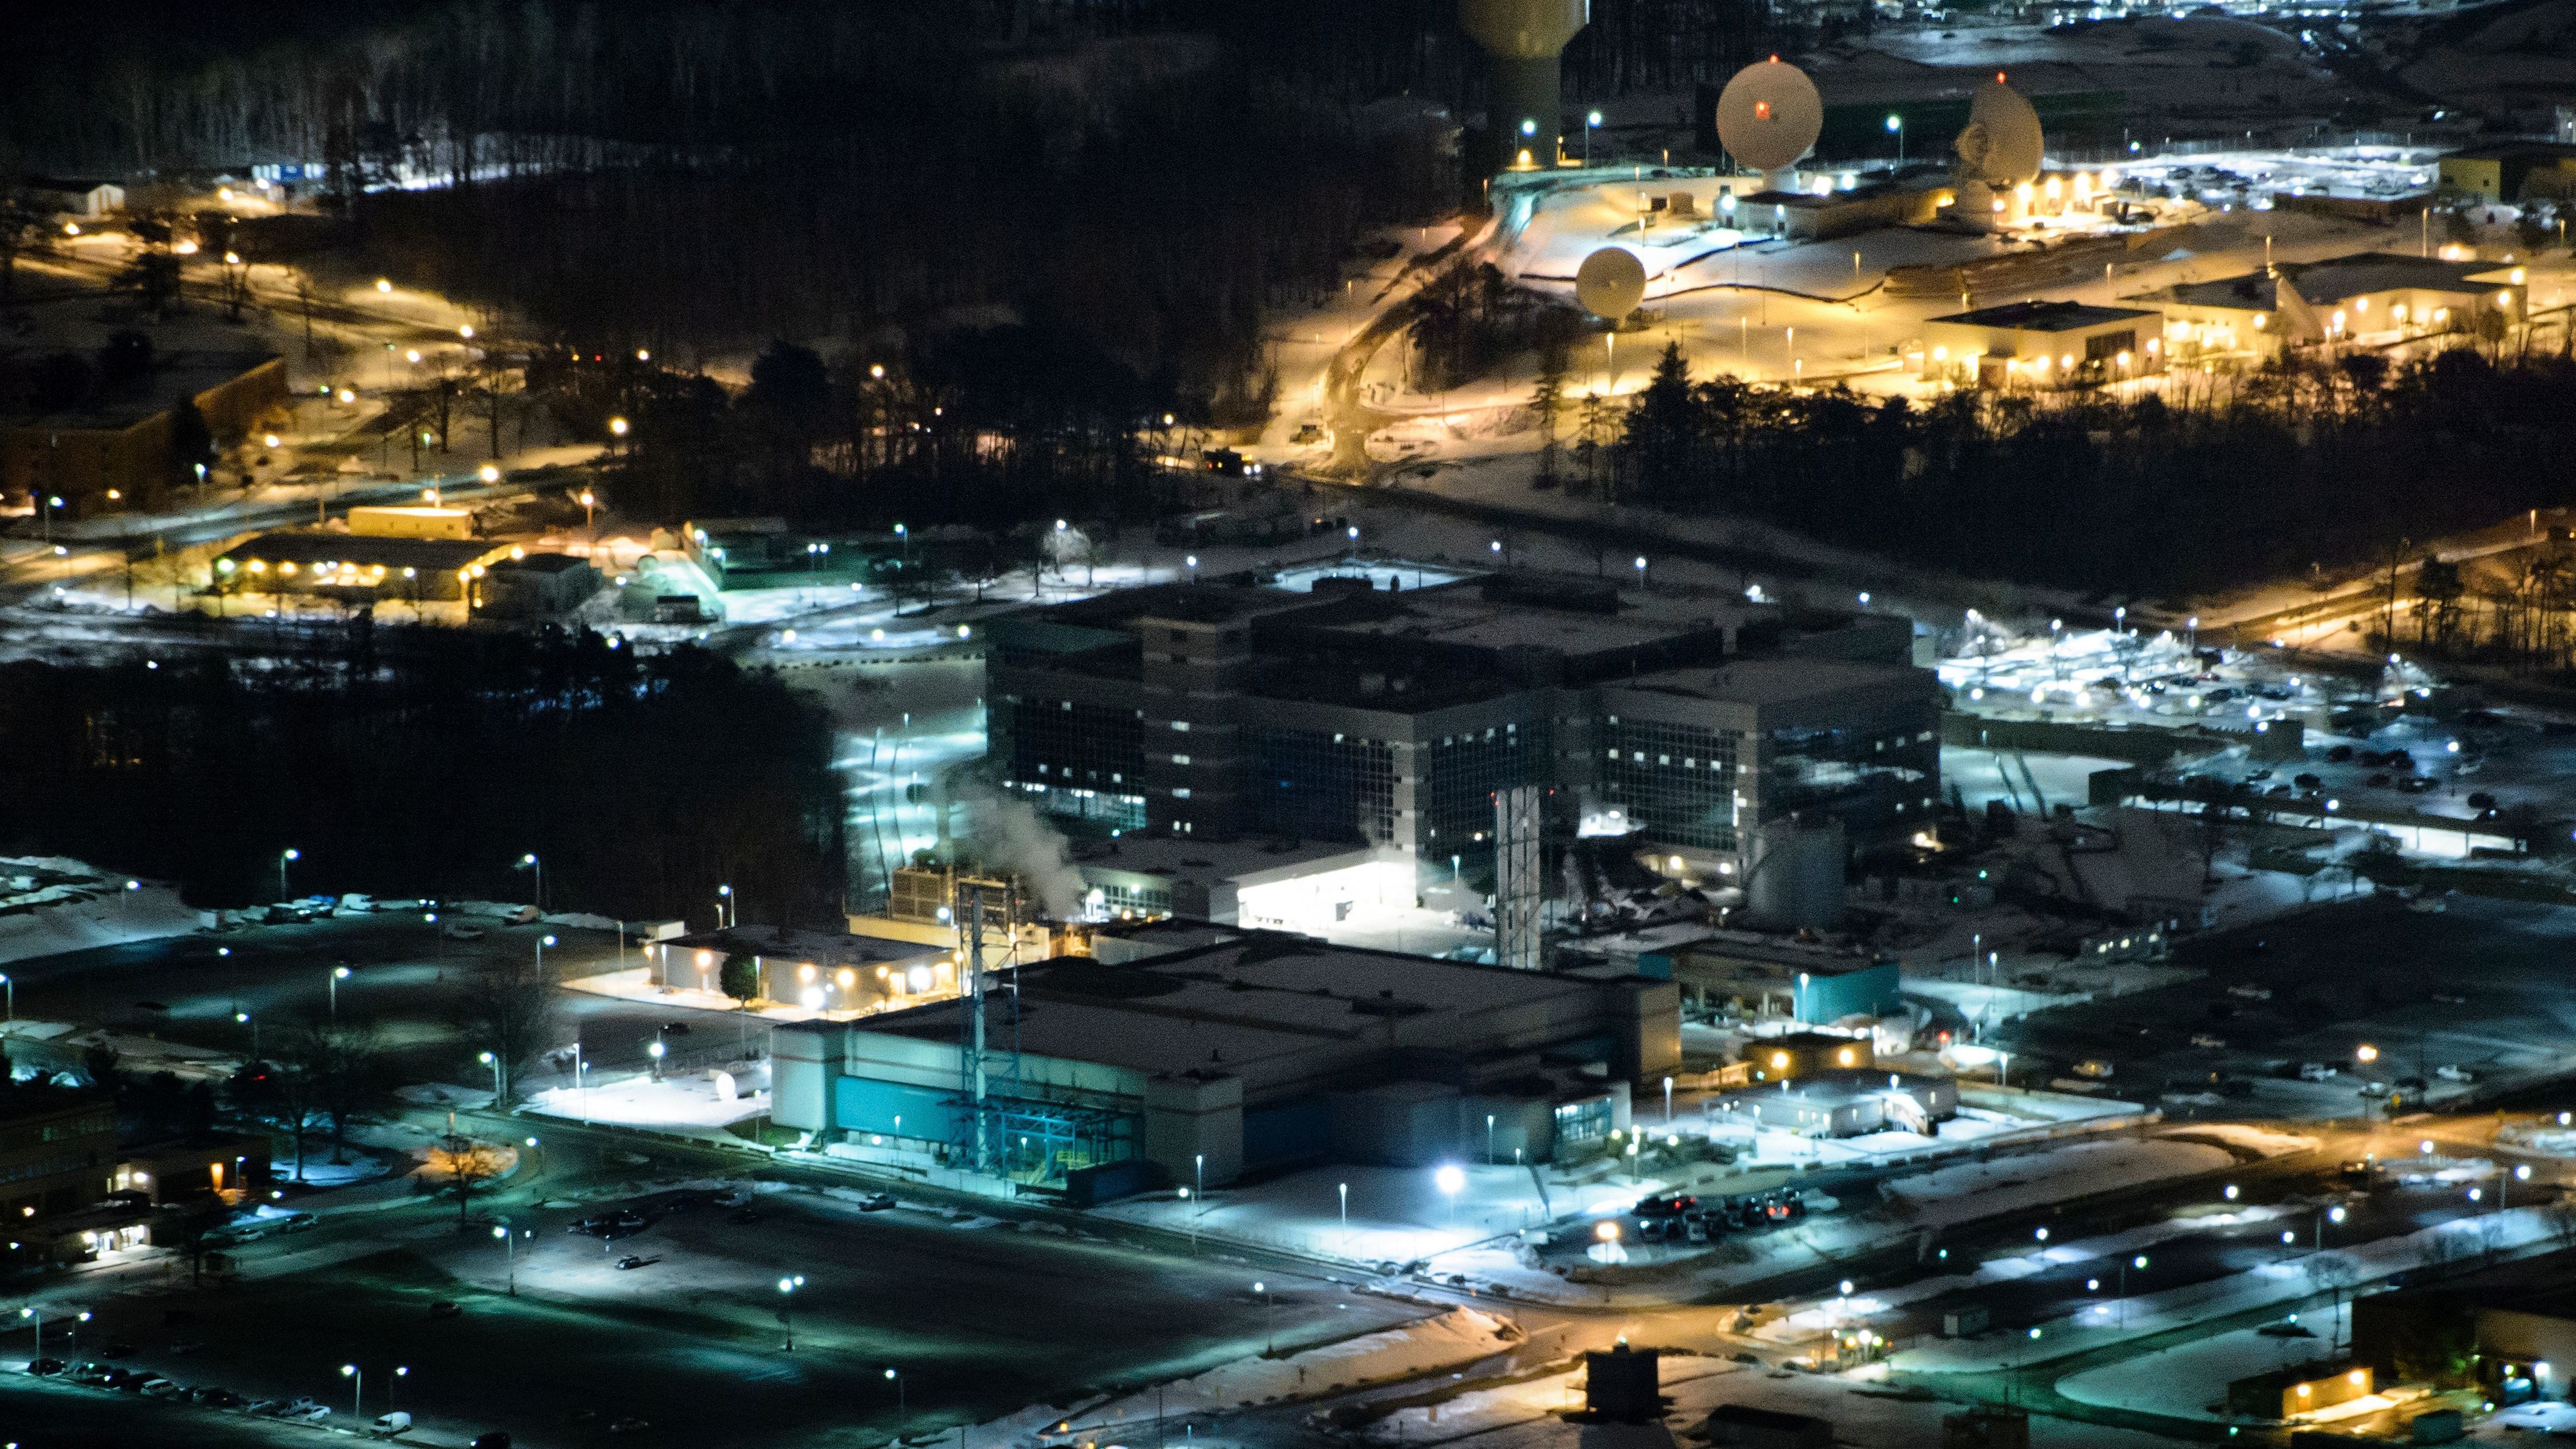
(1974, 1190)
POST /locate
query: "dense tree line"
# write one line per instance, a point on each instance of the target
(2315, 464)
(1153, 177)
(429, 770)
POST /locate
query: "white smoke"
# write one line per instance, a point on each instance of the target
(1009, 836)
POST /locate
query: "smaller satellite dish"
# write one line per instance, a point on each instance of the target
(1610, 283)
(2002, 145)
(1769, 115)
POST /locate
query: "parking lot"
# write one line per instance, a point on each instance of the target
(976, 1317)
(2481, 986)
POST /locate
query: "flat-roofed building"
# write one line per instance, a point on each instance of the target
(114, 449)
(357, 569)
(1228, 1050)
(2043, 344)
(2511, 170)
(1230, 709)
(2367, 296)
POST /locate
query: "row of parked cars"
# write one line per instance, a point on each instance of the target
(301, 1409)
(1682, 1218)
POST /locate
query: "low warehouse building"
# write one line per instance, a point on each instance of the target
(1233, 1051)
(537, 586)
(356, 569)
(1845, 1104)
(2372, 296)
(2043, 344)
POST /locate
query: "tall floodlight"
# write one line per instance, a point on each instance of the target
(1517, 887)
(1523, 41)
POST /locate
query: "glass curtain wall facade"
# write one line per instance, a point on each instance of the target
(1676, 781)
(1319, 786)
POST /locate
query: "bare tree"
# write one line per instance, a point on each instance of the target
(508, 1010)
(2332, 1273)
(463, 1165)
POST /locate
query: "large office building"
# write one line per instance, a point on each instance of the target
(1391, 717)
(1204, 1052)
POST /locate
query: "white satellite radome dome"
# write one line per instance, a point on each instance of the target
(1769, 115)
(1610, 283)
(2003, 145)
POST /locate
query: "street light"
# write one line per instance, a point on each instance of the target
(787, 1308)
(1591, 123)
(1451, 1179)
(655, 1052)
(12, 988)
(358, 1394)
(493, 1061)
(510, 1246)
(899, 1413)
(1346, 1215)
(1896, 126)
(724, 905)
(338, 975)
(530, 862)
(285, 856)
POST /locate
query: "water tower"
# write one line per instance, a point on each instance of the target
(1523, 40)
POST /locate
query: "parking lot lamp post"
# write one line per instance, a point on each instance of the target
(1270, 1323)
(1591, 123)
(724, 905)
(2505, 1182)
(401, 1372)
(2330, 1215)
(284, 857)
(244, 1018)
(38, 1315)
(338, 975)
(1346, 1215)
(900, 1414)
(11, 987)
(2140, 1263)
(542, 943)
(510, 1249)
(493, 1060)
(655, 1052)
(1451, 1180)
(530, 862)
(787, 1287)
(1489, 1136)
(1668, 1101)
(1198, 1162)
(1896, 124)
(358, 1394)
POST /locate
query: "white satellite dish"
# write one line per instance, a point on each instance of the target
(2002, 145)
(1610, 283)
(1769, 115)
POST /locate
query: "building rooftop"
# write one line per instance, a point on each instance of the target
(367, 550)
(2513, 151)
(542, 563)
(827, 949)
(1222, 1006)
(1779, 681)
(2252, 292)
(2325, 283)
(2045, 316)
(1246, 862)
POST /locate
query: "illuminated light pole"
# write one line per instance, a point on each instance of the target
(724, 905)
(11, 987)
(284, 857)
(530, 862)
(1591, 123)
(493, 1060)
(1896, 125)
(338, 975)
(900, 1413)
(358, 1394)
(655, 1051)
(39, 1316)
(1346, 1215)
(1451, 1180)
(2330, 1215)
(240, 1018)
(787, 1310)
(510, 1247)
(401, 1372)
(2140, 1263)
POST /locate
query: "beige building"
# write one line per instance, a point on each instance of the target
(2367, 297)
(2042, 344)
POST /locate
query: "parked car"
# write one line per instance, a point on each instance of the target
(2454, 1072)
(388, 1425)
(876, 1202)
(445, 1308)
(2374, 1090)
(216, 1398)
(2316, 1072)
(461, 931)
(164, 1389)
(631, 1261)
(45, 1368)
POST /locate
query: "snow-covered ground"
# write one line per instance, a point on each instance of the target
(1395, 1214)
(696, 1101)
(1972, 1190)
(2189, 1379)
(50, 905)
